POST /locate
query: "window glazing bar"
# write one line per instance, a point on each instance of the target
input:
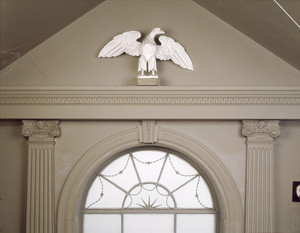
(154, 211)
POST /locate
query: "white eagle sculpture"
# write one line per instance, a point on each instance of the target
(148, 51)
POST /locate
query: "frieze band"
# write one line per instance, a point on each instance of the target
(150, 100)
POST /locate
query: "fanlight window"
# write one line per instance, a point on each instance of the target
(149, 191)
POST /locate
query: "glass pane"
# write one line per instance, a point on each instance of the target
(176, 172)
(148, 223)
(182, 166)
(102, 223)
(186, 196)
(149, 197)
(149, 164)
(196, 223)
(112, 196)
(121, 172)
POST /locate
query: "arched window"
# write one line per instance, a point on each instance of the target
(149, 190)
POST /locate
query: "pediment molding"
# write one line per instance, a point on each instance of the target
(240, 102)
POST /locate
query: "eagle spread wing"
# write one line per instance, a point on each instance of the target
(170, 49)
(125, 42)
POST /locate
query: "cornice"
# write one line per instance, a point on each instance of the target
(284, 100)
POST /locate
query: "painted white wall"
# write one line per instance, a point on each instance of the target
(221, 55)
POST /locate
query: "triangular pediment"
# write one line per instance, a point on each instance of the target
(221, 55)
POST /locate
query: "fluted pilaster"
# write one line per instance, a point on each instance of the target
(260, 175)
(40, 216)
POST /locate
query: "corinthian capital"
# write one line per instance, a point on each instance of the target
(261, 129)
(40, 130)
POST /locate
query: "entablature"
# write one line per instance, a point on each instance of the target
(150, 102)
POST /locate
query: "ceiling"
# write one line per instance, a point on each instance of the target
(27, 23)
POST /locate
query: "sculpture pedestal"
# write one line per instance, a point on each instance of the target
(148, 82)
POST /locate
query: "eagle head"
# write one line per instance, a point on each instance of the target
(157, 31)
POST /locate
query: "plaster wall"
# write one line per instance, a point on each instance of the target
(76, 139)
(13, 178)
(223, 138)
(221, 55)
(287, 161)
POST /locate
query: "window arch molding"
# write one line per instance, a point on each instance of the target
(73, 192)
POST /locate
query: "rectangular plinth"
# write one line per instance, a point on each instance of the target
(148, 82)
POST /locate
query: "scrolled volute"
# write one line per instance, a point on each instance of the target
(40, 128)
(261, 128)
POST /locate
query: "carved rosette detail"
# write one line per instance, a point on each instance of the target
(40, 129)
(261, 128)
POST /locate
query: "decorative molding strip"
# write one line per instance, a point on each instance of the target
(150, 95)
(138, 102)
(290, 123)
(148, 132)
(10, 123)
(151, 100)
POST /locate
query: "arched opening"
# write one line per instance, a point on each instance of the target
(229, 207)
(149, 190)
